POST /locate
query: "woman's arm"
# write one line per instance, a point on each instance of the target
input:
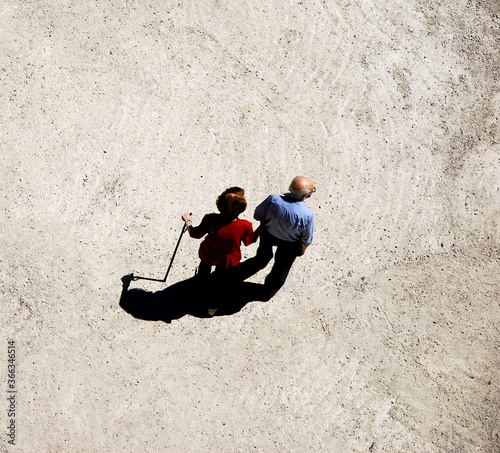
(195, 232)
(257, 232)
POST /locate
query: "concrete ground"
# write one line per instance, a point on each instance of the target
(118, 116)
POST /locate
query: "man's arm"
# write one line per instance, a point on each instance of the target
(260, 211)
(306, 237)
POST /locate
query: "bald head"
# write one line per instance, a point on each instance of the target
(301, 187)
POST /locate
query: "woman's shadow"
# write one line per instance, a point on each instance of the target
(188, 297)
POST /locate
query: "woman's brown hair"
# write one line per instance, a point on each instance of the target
(232, 202)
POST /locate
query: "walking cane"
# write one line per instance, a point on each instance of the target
(184, 228)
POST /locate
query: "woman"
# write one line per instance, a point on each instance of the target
(225, 233)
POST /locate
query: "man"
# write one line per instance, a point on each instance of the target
(287, 224)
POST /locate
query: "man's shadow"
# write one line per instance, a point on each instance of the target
(188, 297)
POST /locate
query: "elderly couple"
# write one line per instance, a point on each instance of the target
(285, 222)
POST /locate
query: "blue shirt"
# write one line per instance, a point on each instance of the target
(286, 218)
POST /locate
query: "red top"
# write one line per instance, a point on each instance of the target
(222, 245)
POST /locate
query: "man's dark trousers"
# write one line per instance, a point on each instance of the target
(285, 255)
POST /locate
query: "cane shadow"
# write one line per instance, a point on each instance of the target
(187, 297)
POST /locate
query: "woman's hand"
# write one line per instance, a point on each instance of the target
(188, 222)
(257, 232)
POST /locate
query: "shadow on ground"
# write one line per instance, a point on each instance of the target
(187, 297)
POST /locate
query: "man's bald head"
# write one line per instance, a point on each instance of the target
(301, 187)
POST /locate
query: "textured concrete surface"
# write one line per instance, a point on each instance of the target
(118, 116)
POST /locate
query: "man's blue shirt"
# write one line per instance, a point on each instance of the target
(286, 218)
